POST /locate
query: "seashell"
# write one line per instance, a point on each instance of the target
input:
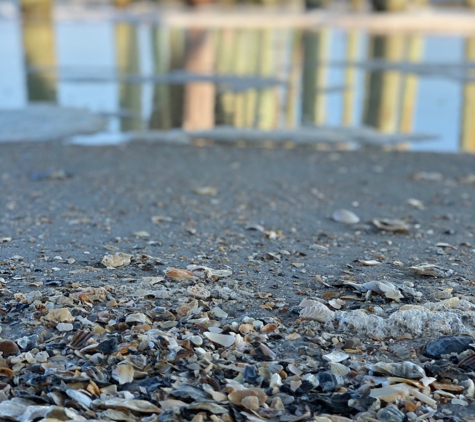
(59, 315)
(217, 396)
(447, 345)
(384, 288)
(431, 270)
(138, 317)
(221, 339)
(250, 402)
(196, 340)
(123, 373)
(137, 361)
(13, 409)
(97, 374)
(317, 312)
(390, 413)
(391, 225)
(218, 312)
(467, 362)
(80, 339)
(336, 356)
(141, 233)
(246, 328)
(198, 291)
(119, 259)
(269, 328)
(213, 408)
(28, 342)
(176, 274)
(277, 404)
(64, 327)
(4, 371)
(345, 217)
(142, 406)
(264, 352)
(107, 346)
(404, 369)
(329, 382)
(171, 404)
(275, 381)
(339, 369)
(206, 190)
(186, 391)
(80, 397)
(236, 397)
(187, 309)
(251, 375)
(160, 313)
(9, 348)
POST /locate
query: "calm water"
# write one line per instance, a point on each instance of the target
(143, 76)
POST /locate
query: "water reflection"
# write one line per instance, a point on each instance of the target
(142, 76)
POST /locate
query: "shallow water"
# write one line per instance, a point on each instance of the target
(142, 76)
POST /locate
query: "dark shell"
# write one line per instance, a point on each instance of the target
(446, 345)
(390, 414)
(329, 381)
(250, 374)
(468, 362)
(336, 402)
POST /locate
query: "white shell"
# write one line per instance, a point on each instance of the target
(221, 339)
(345, 217)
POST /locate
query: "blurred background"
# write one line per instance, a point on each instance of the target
(384, 71)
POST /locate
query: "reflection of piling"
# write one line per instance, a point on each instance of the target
(225, 58)
(468, 112)
(295, 78)
(161, 117)
(350, 78)
(38, 41)
(409, 88)
(244, 62)
(267, 104)
(384, 86)
(199, 96)
(36, 9)
(315, 52)
(128, 63)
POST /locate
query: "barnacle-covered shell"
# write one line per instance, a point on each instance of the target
(198, 291)
(59, 315)
(446, 345)
(119, 259)
(404, 369)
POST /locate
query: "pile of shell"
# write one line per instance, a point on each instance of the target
(98, 356)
